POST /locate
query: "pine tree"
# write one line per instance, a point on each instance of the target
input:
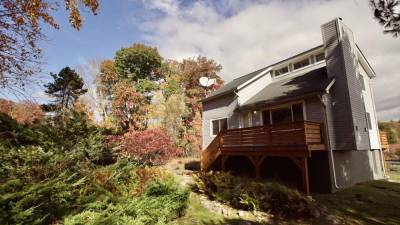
(66, 88)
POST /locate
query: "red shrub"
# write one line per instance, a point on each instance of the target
(153, 146)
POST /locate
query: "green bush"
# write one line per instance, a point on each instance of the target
(244, 193)
(163, 202)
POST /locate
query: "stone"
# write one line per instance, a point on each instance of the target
(316, 213)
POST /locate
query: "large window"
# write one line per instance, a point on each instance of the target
(301, 64)
(219, 125)
(297, 110)
(281, 115)
(286, 114)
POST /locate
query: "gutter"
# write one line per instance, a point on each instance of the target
(327, 135)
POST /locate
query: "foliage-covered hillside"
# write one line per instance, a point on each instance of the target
(392, 128)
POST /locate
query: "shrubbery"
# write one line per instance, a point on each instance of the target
(60, 171)
(152, 146)
(243, 193)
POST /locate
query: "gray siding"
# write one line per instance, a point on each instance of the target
(314, 110)
(222, 107)
(353, 167)
(347, 107)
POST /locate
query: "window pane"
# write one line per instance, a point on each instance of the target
(282, 115)
(245, 120)
(223, 124)
(215, 127)
(369, 121)
(281, 71)
(266, 118)
(300, 64)
(361, 79)
(320, 57)
(297, 112)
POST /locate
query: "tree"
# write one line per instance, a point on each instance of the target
(387, 12)
(139, 64)
(21, 30)
(104, 81)
(25, 112)
(128, 106)
(66, 88)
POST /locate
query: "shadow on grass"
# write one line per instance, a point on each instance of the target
(375, 202)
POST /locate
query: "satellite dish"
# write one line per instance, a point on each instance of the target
(206, 82)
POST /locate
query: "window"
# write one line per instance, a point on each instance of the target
(281, 115)
(361, 79)
(245, 119)
(281, 71)
(266, 117)
(297, 110)
(320, 57)
(369, 124)
(219, 125)
(301, 64)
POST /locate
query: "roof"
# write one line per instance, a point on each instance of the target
(231, 86)
(314, 81)
(234, 84)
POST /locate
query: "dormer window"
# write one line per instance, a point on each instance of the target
(319, 57)
(281, 71)
(301, 64)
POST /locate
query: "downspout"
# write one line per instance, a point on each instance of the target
(329, 141)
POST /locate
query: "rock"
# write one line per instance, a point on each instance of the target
(316, 213)
(333, 220)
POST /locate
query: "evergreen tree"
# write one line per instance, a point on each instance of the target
(66, 88)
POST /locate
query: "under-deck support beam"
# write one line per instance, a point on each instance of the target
(302, 163)
(257, 160)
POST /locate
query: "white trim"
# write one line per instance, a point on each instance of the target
(330, 85)
(254, 78)
(283, 106)
(211, 126)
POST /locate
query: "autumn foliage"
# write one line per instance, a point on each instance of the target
(24, 112)
(152, 146)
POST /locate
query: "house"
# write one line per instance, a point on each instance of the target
(309, 120)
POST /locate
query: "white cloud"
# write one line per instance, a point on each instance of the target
(246, 35)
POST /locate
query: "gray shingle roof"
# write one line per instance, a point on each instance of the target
(314, 81)
(231, 86)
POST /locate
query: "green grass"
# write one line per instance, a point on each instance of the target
(197, 214)
(375, 202)
(394, 172)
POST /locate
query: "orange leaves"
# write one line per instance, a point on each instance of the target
(25, 112)
(21, 21)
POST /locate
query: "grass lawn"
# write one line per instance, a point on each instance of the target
(394, 172)
(375, 202)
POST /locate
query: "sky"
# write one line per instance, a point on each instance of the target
(241, 35)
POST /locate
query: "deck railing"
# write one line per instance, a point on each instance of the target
(295, 133)
(384, 140)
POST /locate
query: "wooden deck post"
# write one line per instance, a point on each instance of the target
(257, 161)
(302, 163)
(223, 161)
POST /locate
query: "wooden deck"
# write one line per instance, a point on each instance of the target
(293, 140)
(384, 140)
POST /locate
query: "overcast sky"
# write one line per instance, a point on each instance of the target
(242, 35)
